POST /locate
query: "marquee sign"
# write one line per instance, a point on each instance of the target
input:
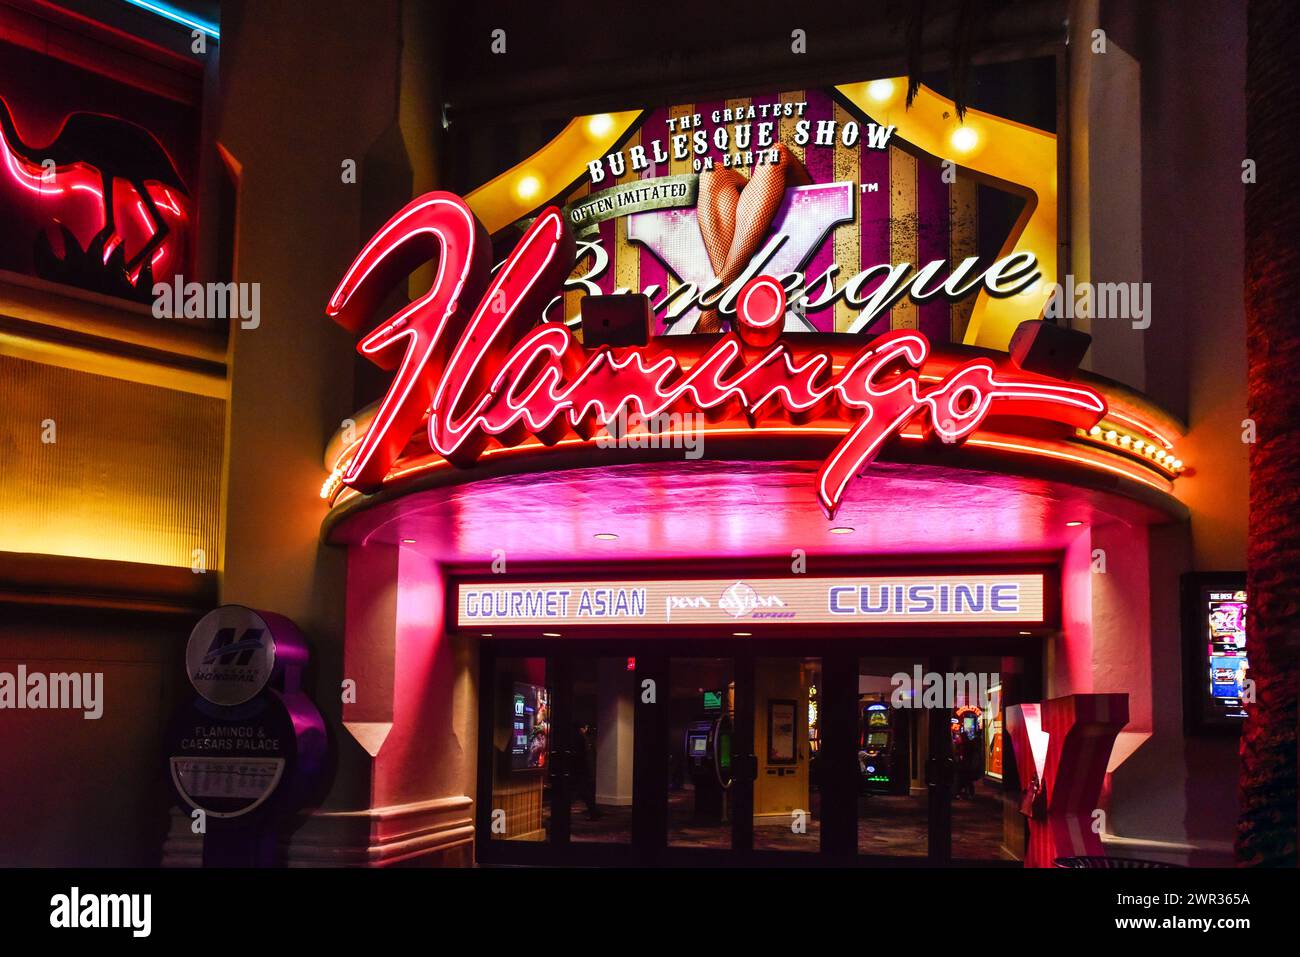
(808, 186)
(911, 599)
(851, 196)
(771, 237)
(473, 364)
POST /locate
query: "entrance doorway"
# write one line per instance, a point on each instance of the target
(765, 751)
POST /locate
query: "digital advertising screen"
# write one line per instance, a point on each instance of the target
(1225, 620)
(530, 727)
(1218, 665)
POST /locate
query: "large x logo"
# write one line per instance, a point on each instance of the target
(802, 222)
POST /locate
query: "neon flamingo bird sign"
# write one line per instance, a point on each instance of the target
(472, 355)
(112, 191)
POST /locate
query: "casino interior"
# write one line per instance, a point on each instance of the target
(774, 620)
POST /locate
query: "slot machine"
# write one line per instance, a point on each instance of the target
(966, 728)
(883, 764)
(707, 746)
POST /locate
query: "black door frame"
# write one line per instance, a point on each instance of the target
(838, 696)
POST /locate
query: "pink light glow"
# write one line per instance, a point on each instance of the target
(674, 509)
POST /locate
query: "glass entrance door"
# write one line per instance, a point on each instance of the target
(787, 790)
(558, 754)
(935, 777)
(707, 755)
(892, 754)
(625, 753)
(984, 819)
(517, 753)
(601, 750)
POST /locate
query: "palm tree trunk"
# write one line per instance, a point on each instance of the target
(1266, 829)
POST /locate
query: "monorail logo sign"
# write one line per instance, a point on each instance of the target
(471, 357)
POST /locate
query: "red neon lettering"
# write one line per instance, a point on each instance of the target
(498, 374)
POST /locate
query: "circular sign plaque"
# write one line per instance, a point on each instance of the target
(230, 655)
(234, 761)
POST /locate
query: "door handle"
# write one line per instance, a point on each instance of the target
(744, 767)
(559, 764)
(939, 772)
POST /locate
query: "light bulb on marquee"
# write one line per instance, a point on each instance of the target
(880, 90)
(600, 125)
(528, 187)
(965, 139)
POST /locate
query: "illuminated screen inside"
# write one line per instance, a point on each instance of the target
(1225, 650)
(530, 726)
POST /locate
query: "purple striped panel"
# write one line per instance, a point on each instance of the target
(874, 212)
(652, 271)
(608, 237)
(932, 243)
(820, 162)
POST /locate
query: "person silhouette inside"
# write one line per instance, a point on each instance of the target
(582, 763)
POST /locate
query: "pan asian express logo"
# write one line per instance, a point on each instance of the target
(737, 600)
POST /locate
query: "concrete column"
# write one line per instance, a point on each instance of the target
(295, 105)
(1105, 176)
(614, 729)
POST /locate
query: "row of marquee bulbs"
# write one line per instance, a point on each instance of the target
(1110, 436)
(1137, 446)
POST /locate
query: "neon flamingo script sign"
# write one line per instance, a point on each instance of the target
(472, 356)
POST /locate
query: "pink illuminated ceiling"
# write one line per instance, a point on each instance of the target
(682, 509)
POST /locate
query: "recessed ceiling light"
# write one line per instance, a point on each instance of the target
(550, 634)
(408, 541)
(1073, 524)
(606, 536)
(842, 530)
(1026, 632)
(742, 634)
(487, 634)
